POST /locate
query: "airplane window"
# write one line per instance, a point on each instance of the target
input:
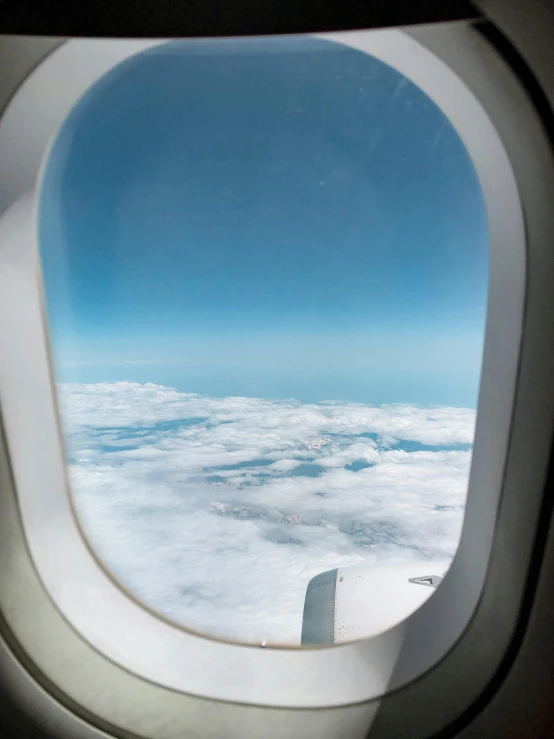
(265, 266)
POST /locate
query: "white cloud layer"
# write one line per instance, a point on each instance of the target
(217, 511)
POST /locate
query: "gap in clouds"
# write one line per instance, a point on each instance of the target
(216, 512)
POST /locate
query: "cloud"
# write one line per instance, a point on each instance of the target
(217, 511)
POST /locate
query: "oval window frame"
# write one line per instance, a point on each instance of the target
(315, 677)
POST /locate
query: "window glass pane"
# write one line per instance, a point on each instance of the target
(265, 267)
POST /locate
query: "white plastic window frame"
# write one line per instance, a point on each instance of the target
(489, 110)
(97, 608)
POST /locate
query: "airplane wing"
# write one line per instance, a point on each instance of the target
(350, 603)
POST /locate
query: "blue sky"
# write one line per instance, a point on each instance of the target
(277, 218)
